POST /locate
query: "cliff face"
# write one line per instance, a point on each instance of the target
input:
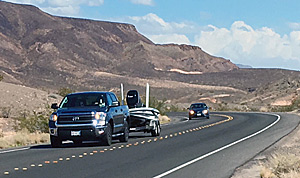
(40, 49)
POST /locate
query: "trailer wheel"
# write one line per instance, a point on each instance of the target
(55, 142)
(156, 131)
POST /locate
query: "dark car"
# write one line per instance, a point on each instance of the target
(198, 110)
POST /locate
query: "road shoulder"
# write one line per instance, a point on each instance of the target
(288, 144)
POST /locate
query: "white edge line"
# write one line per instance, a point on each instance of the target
(20, 149)
(218, 150)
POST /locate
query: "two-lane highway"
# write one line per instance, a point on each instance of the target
(197, 148)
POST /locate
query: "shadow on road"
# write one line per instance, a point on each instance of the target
(70, 144)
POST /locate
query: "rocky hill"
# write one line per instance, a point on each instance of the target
(42, 50)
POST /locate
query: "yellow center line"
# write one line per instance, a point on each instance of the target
(229, 118)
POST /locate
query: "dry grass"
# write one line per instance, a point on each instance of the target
(281, 165)
(23, 138)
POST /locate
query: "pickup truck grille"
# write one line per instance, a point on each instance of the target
(75, 118)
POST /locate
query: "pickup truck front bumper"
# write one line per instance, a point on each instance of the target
(83, 132)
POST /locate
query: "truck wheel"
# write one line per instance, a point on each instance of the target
(125, 136)
(156, 131)
(107, 136)
(55, 142)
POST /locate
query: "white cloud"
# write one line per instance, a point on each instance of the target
(294, 26)
(151, 20)
(63, 10)
(95, 2)
(143, 2)
(256, 47)
(160, 31)
(65, 3)
(170, 38)
(28, 1)
(60, 7)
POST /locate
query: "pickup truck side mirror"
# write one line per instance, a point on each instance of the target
(115, 104)
(54, 106)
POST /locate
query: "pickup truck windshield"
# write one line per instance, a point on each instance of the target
(84, 100)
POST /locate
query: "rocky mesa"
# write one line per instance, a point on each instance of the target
(42, 50)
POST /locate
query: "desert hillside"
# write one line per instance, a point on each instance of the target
(16, 99)
(38, 49)
(46, 52)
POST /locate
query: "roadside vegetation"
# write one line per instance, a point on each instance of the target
(281, 165)
(33, 123)
(162, 106)
(5, 112)
(23, 138)
(294, 106)
(64, 91)
(28, 129)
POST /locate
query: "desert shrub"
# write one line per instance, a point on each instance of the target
(281, 165)
(23, 138)
(1, 78)
(5, 112)
(294, 106)
(162, 106)
(64, 91)
(36, 122)
(158, 104)
(222, 107)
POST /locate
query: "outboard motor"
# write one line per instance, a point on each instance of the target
(133, 99)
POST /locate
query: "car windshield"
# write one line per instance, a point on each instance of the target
(198, 106)
(84, 100)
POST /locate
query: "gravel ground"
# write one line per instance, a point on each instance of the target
(17, 98)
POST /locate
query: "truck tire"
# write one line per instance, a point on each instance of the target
(107, 139)
(156, 131)
(55, 142)
(125, 136)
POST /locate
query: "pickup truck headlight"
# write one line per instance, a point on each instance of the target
(53, 117)
(99, 118)
(205, 111)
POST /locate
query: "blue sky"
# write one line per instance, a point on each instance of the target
(260, 33)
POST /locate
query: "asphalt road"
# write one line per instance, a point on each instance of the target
(198, 148)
